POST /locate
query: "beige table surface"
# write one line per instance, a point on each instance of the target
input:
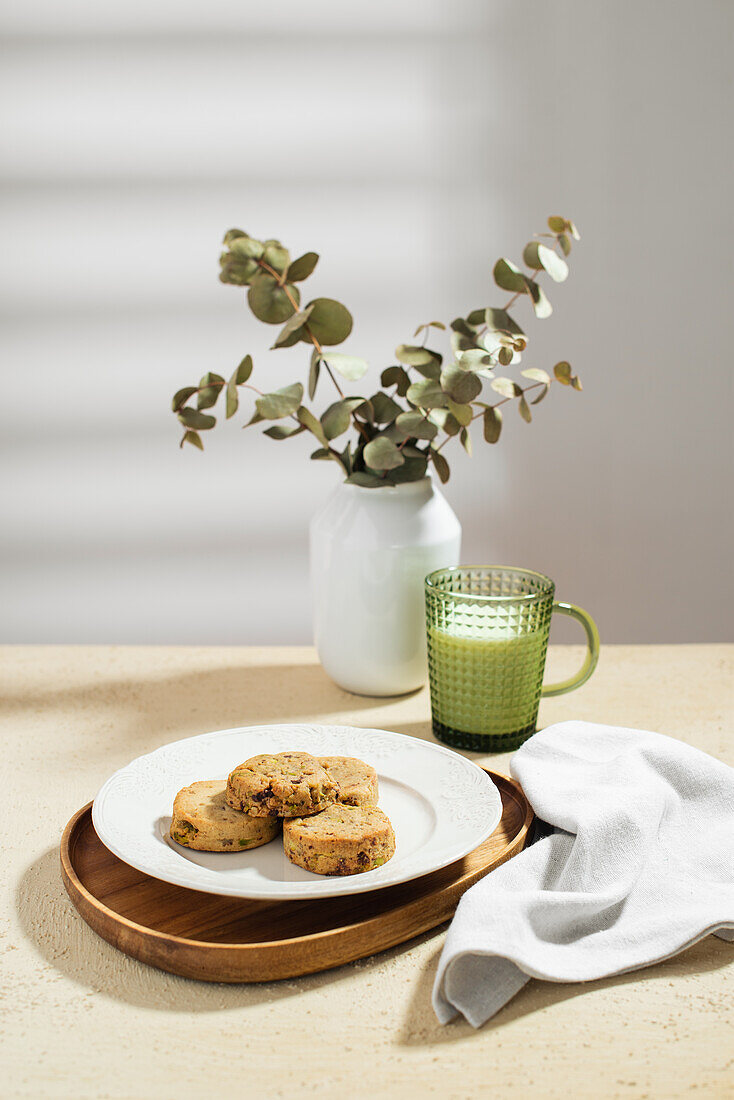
(79, 1019)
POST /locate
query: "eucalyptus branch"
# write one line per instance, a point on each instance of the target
(266, 267)
(396, 432)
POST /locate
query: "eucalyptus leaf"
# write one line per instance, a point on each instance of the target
(232, 235)
(530, 255)
(346, 458)
(541, 394)
(524, 409)
(382, 454)
(428, 325)
(246, 248)
(506, 387)
(573, 230)
(338, 417)
(181, 397)
(194, 439)
(563, 373)
(243, 372)
(477, 317)
(313, 374)
(423, 359)
(384, 409)
(556, 267)
(441, 466)
(269, 301)
(301, 268)
(277, 257)
(284, 431)
(509, 277)
(239, 273)
(412, 425)
(210, 387)
(537, 255)
(565, 242)
(392, 432)
(474, 358)
(462, 386)
(307, 418)
(461, 344)
(413, 469)
(330, 322)
(505, 356)
(233, 398)
(321, 453)
(445, 420)
(556, 224)
(350, 367)
(365, 480)
(290, 332)
(541, 305)
(396, 376)
(285, 402)
(463, 328)
(499, 320)
(465, 440)
(492, 424)
(366, 412)
(427, 394)
(536, 374)
(192, 418)
(462, 413)
(576, 382)
(432, 369)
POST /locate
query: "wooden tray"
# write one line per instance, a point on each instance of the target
(218, 939)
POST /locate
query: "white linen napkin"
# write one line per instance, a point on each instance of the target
(639, 866)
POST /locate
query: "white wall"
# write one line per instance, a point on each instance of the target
(410, 144)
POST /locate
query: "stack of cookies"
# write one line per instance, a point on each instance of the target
(327, 806)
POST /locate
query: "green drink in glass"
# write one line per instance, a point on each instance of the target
(488, 630)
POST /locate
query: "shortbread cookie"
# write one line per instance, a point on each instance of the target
(343, 840)
(283, 784)
(203, 820)
(357, 780)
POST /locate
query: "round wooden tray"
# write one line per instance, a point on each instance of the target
(219, 939)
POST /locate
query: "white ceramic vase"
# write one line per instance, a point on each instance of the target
(370, 552)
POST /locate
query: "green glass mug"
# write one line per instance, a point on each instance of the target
(488, 630)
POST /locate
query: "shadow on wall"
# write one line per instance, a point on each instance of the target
(603, 491)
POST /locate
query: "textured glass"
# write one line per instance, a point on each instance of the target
(488, 630)
(487, 638)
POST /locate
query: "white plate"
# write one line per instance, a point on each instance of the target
(441, 806)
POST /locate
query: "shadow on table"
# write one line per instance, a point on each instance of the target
(421, 1028)
(68, 946)
(63, 940)
(185, 703)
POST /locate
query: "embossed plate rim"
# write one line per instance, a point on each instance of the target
(465, 802)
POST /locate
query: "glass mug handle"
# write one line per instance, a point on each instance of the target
(592, 652)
